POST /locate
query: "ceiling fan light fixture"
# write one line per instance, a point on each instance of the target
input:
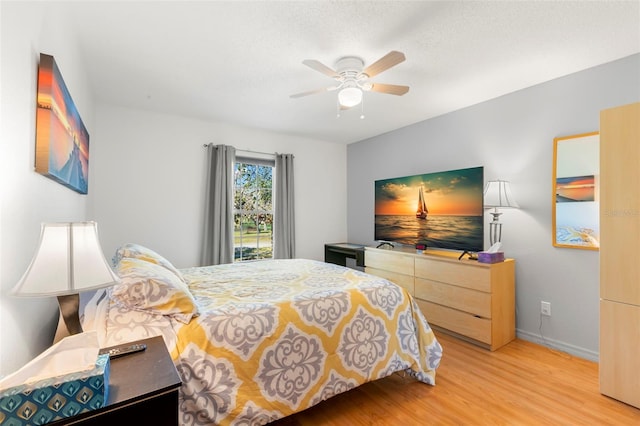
(350, 96)
(353, 79)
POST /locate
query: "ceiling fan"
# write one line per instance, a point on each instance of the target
(351, 79)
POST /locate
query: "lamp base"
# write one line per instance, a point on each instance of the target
(69, 320)
(495, 232)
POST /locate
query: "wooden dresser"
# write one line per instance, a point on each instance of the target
(471, 300)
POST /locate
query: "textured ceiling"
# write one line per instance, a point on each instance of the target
(238, 61)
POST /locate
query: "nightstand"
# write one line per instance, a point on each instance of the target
(142, 386)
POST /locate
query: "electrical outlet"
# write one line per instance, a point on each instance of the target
(545, 308)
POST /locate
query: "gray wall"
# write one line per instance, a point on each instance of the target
(512, 137)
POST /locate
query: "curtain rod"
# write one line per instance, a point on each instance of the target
(250, 151)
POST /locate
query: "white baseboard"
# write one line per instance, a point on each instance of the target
(558, 345)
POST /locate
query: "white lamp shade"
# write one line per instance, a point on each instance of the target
(350, 96)
(68, 260)
(497, 193)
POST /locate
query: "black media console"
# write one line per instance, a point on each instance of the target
(339, 252)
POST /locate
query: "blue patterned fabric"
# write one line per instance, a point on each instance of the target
(56, 398)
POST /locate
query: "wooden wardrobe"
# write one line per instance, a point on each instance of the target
(620, 253)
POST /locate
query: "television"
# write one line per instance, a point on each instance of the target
(443, 210)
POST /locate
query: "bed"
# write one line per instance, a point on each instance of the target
(257, 341)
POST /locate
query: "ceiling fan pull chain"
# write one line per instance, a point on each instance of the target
(362, 109)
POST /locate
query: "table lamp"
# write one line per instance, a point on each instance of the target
(497, 193)
(68, 261)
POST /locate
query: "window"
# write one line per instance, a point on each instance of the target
(253, 209)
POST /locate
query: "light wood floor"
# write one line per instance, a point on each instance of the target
(520, 384)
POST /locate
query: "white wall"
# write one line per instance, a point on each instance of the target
(512, 137)
(148, 173)
(27, 198)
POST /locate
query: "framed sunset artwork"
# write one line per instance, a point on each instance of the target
(62, 141)
(576, 201)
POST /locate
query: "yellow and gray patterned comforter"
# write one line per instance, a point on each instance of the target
(275, 337)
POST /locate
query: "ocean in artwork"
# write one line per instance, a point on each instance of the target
(439, 231)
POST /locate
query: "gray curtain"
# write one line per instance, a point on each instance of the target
(217, 245)
(284, 218)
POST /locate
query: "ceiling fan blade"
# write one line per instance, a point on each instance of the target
(313, 92)
(387, 61)
(391, 89)
(320, 67)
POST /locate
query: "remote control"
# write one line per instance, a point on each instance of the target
(124, 350)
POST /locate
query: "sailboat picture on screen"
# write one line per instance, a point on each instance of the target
(443, 209)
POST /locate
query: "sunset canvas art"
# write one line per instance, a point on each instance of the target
(62, 141)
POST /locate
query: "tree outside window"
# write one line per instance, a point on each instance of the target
(253, 211)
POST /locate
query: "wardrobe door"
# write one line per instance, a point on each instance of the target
(619, 241)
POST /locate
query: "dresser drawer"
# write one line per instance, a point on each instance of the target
(463, 299)
(459, 322)
(389, 262)
(405, 281)
(473, 276)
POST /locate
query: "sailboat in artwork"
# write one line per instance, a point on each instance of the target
(422, 211)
